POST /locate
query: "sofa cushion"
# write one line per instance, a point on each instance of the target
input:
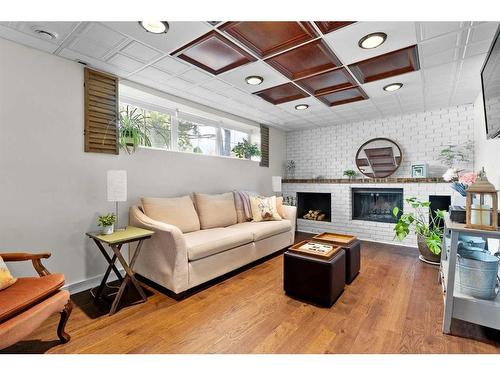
(264, 208)
(178, 211)
(206, 242)
(264, 229)
(26, 292)
(216, 210)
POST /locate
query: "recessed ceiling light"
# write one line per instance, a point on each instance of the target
(393, 86)
(155, 27)
(44, 34)
(254, 80)
(301, 107)
(372, 40)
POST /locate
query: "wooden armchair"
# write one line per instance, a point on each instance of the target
(26, 304)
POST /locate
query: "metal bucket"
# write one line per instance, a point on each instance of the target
(472, 241)
(478, 273)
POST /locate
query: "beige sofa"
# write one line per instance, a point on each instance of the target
(180, 261)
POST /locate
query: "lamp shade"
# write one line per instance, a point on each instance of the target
(277, 184)
(117, 186)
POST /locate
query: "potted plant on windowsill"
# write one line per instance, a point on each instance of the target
(245, 150)
(429, 232)
(107, 223)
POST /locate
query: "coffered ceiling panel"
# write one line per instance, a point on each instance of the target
(265, 38)
(237, 76)
(391, 64)
(281, 94)
(327, 82)
(329, 26)
(308, 59)
(450, 54)
(213, 53)
(344, 96)
(344, 41)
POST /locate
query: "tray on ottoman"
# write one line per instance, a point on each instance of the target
(320, 281)
(352, 247)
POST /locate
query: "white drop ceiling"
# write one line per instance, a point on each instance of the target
(451, 55)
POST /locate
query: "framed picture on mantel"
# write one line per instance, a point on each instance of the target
(419, 170)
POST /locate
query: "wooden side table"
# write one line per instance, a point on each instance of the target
(115, 241)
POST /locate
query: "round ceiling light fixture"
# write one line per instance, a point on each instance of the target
(393, 86)
(301, 107)
(155, 27)
(44, 34)
(254, 80)
(372, 40)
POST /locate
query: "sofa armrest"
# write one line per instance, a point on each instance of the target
(291, 214)
(163, 258)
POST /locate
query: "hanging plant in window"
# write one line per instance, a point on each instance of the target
(245, 150)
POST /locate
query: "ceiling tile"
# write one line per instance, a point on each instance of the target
(324, 83)
(308, 59)
(344, 42)
(237, 76)
(61, 30)
(103, 35)
(171, 65)
(433, 29)
(281, 94)
(27, 40)
(88, 47)
(153, 74)
(195, 76)
(214, 53)
(343, 96)
(125, 63)
(217, 85)
(390, 64)
(484, 31)
(266, 38)
(140, 52)
(179, 83)
(329, 26)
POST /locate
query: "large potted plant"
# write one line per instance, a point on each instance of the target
(425, 225)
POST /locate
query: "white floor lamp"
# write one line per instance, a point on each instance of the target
(117, 189)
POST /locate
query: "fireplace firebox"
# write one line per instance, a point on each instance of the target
(315, 202)
(376, 204)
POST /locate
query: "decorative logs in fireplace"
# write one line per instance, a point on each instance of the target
(316, 215)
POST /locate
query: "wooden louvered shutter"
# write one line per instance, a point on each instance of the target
(101, 112)
(264, 146)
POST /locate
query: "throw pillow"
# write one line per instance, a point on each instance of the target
(280, 208)
(216, 210)
(264, 208)
(6, 279)
(178, 211)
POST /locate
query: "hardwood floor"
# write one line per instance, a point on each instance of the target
(394, 306)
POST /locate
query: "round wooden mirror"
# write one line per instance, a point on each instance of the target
(379, 158)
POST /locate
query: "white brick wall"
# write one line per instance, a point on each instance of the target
(341, 209)
(331, 150)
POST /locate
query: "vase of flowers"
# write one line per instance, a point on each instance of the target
(290, 169)
(459, 183)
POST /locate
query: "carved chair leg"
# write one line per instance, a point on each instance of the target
(63, 336)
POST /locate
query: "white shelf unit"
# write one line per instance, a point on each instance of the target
(457, 304)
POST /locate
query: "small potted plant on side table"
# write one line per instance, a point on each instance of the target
(107, 223)
(429, 232)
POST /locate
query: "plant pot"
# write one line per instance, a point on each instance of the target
(425, 252)
(108, 229)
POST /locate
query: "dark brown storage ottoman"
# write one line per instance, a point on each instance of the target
(352, 247)
(320, 281)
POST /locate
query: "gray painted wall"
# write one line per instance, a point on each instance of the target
(52, 191)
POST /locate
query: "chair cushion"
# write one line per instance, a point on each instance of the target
(6, 278)
(178, 211)
(264, 229)
(26, 292)
(208, 242)
(216, 210)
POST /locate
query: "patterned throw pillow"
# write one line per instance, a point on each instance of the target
(280, 208)
(6, 279)
(264, 208)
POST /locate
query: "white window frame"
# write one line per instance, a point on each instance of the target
(175, 114)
